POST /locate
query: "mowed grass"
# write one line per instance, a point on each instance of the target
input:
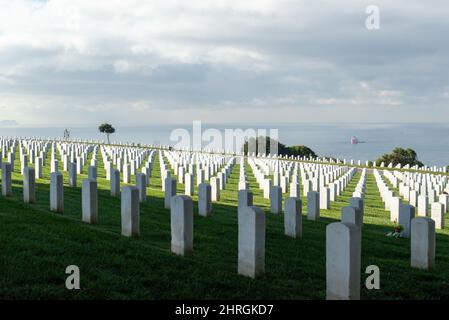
(37, 245)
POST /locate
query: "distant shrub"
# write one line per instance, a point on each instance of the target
(299, 150)
(400, 156)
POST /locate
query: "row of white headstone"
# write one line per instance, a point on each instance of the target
(4, 146)
(74, 157)
(212, 168)
(420, 201)
(317, 179)
(360, 188)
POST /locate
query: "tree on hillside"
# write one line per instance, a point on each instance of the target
(108, 129)
(282, 148)
(300, 151)
(66, 134)
(258, 143)
(402, 156)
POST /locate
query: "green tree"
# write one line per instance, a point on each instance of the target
(282, 148)
(402, 156)
(258, 142)
(108, 129)
(300, 151)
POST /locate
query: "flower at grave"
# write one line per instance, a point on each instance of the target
(396, 231)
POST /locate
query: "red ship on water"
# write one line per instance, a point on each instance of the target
(354, 140)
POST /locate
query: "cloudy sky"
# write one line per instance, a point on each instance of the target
(141, 62)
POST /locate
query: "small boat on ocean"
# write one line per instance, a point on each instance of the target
(354, 140)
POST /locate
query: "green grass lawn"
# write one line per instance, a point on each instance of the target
(37, 245)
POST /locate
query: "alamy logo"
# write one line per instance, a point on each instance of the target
(373, 280)
(73, 280)
(372, 22)
(231, 141)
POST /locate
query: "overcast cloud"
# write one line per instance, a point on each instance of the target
(142, 62)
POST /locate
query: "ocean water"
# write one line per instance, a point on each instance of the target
(430, 141)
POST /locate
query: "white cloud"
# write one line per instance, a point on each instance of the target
(102, 57)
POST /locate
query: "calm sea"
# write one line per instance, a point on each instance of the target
(430, 141)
